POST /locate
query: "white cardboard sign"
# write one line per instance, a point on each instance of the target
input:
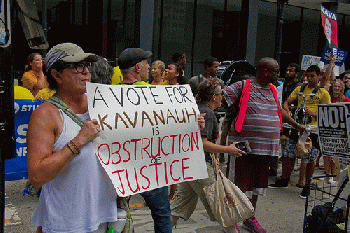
(309, 60)
(149, 135)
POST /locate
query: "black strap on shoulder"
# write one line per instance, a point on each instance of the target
(315, 90)
(302, 88)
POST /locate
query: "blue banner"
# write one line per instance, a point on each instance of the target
(16, 168)
(340, 58)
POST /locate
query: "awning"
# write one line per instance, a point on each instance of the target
(31, 24)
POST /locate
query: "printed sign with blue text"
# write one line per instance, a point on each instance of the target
(16, 168)
(309, 60)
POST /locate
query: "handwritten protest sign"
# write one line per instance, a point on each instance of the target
(149, 135)
(333, 129)
(309, 60)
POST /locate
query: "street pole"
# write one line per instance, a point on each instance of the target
(7, 142)
(44, 23)
(279, 25)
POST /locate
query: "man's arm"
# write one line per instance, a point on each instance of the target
(288, 119)
(329, 75)
(287, 104)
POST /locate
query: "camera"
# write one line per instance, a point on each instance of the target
(244, 146)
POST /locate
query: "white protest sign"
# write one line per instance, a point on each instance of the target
(309, 60)
(333, 129)
(149, 135)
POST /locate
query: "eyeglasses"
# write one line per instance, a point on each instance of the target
(79, 67)
(218, 94)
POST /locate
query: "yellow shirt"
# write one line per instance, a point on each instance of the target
(117, 75)
(321, 97)
(165, 82)
(45, 93)
(29, 79)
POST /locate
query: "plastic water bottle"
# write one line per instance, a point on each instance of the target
(304, 136)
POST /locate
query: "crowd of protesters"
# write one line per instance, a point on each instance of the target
(255, 112)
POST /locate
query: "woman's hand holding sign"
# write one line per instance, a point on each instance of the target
(88, 132)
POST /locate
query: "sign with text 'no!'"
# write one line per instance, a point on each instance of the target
(333, 129)
(149, 135)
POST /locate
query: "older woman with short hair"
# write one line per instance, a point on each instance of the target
(210, 97)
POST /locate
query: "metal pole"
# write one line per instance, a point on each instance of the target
(7, 144)
(44, 23)
(279, 25)
(194, 34)
(2, 191)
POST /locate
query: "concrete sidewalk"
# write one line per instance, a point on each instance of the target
(280, 211)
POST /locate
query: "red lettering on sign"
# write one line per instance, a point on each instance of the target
(109, 153)
(149, 182)
(161, 145)
(182, 142)
(137, 183)
(171, 170)
(185, 168)
(156, 167)
(144, 147)
(166, 174)
(116, 153)
(120, 180)
(135, 141)
(126, 160)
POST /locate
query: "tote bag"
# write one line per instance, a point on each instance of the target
(227, 202)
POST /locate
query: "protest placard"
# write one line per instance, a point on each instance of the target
(149, 135)
(333, 129)
(330, 27)
(309, 60)
(340, 56)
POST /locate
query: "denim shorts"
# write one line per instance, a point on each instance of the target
(310, 157)
(288, 148)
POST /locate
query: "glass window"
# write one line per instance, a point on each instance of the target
(310, 33)
(265, 38)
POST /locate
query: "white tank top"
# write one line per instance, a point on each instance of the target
(82, 197)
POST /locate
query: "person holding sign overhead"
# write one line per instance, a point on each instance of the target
(77, 194)
(308, 97)
(330, 27)
(210, 98)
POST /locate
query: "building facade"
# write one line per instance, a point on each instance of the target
(226, 29)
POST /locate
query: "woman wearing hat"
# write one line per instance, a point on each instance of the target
(77, 194)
